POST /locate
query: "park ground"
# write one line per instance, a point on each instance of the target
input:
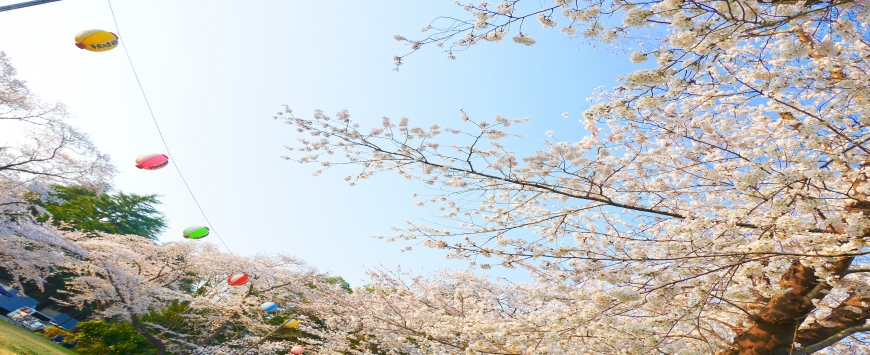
(17, 341)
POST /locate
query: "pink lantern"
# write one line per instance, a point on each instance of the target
(237, 280)
(152, 161)
(296, 350)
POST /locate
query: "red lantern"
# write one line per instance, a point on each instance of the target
(237, 279)
(296, 350)
(152, 161)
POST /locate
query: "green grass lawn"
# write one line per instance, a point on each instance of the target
(17, 341)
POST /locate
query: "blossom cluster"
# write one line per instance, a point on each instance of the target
(705, 193)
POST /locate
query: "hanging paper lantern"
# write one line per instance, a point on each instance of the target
(291, 323)
(237, 279)
(196, 232)
(268, 307)
(152, 161)
(296, 350)
(96, 40)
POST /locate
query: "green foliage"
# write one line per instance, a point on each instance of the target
(52, 331)
(99, 337)
(86, 210)
(338, 280)
(168, 314)
(171, 317)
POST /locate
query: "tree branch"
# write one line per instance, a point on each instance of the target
(848, 315)
(831, 340)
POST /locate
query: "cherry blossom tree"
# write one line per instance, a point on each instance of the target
(54, 153)
(447, 313)
(232, 313)
(717, 203)
(126, 277)
(130, 277)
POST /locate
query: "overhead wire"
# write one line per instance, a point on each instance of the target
(160, 132)
(166, 146)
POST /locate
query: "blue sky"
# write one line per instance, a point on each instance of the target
(217, 71)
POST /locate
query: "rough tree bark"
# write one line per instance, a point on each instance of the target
(775, 326)
(845, 320)
(775, 329)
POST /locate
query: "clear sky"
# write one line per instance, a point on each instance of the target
(217, 71)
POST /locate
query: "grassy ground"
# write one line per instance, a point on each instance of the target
(17, 341)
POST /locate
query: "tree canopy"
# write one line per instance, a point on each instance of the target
(98, 337)
(54, 153)
(83, 209)
(715, 201)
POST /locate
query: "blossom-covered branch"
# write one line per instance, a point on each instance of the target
(717, 199)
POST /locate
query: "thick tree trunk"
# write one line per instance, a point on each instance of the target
(851, 314)
(775, 326)
(775, 329)
(161, 348)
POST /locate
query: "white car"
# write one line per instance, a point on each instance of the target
(33, 324)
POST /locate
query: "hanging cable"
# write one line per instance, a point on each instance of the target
(166, 146)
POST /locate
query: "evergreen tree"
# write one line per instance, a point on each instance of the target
(83, 209)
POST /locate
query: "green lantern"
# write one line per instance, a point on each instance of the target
(195, 232)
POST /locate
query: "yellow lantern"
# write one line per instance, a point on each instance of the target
(96, 40)
(291, 323)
